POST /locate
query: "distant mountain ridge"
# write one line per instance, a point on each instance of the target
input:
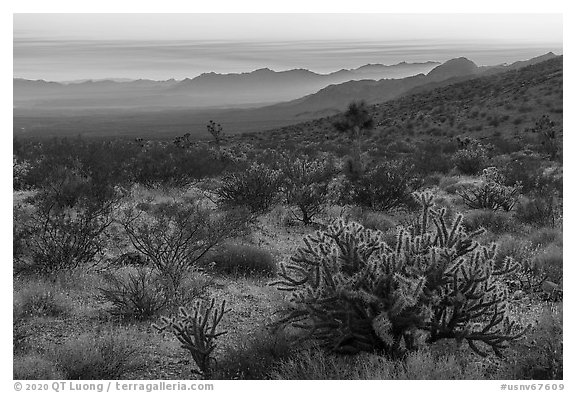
(206, 90)
(328, 101)
(334, 98)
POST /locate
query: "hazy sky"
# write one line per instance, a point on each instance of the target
(163, 46)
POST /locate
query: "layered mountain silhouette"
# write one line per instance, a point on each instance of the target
(258, 87)
(131, 108)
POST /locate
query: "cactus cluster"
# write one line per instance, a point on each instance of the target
(352, 292)
(197, 332)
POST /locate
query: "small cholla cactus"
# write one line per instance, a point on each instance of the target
(197, 332)
(352, 292)
(491, 193)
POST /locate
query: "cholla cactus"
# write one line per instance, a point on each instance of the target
(353, 292)
(197, 332)
(491, 193)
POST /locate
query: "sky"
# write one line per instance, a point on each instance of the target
(64, 47)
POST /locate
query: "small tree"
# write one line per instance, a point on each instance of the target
(217, 132)
(355, 122)
(353, 292)
(306, 184)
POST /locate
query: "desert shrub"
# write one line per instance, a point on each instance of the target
(255, 355)
(105, 355)
(173, 166)
(376, 221)
(20, 170)
(471, 159)
(550, 136)
(174, 237)
(67, 227)
(496, 221)
(386, 186)
(544, 236)
(35, 367)
(242, 260)
(137, 294)
(306, 185)
(255, 188)
(549, 261)
(197, 332)
(352, 292)
(540, 211)
(40, 298)
(540, 354)
(313, 364)
(20, 330)
(491, 193)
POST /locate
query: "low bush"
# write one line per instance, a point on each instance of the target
(255, 355)
(306, 186)
(35, 367)
(376, 221)
(540, 211)
(174, 237)
(545, 236)
(242, 260)
(540, 354)
(471, 159)
(104, 355)
(41, 298)
(495, 221)
(255, 188)
(314, 364)
(136, 294)
(386, 186)
(549, 261)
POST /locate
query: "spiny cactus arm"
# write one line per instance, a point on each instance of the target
(497, 334)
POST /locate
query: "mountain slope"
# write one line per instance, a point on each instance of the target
(335, 98)
(499, 105)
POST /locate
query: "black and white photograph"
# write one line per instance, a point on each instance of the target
(205, 197)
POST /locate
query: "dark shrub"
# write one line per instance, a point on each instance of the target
(491, 193)
(540, 354)
(242, 260)
(496, 221)
(137, 294)
(255, 188)
(255, 355)
(108, 355)
(386, 186)
(174, 237)
(471, 159)
(306, 184)
(541, 211)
